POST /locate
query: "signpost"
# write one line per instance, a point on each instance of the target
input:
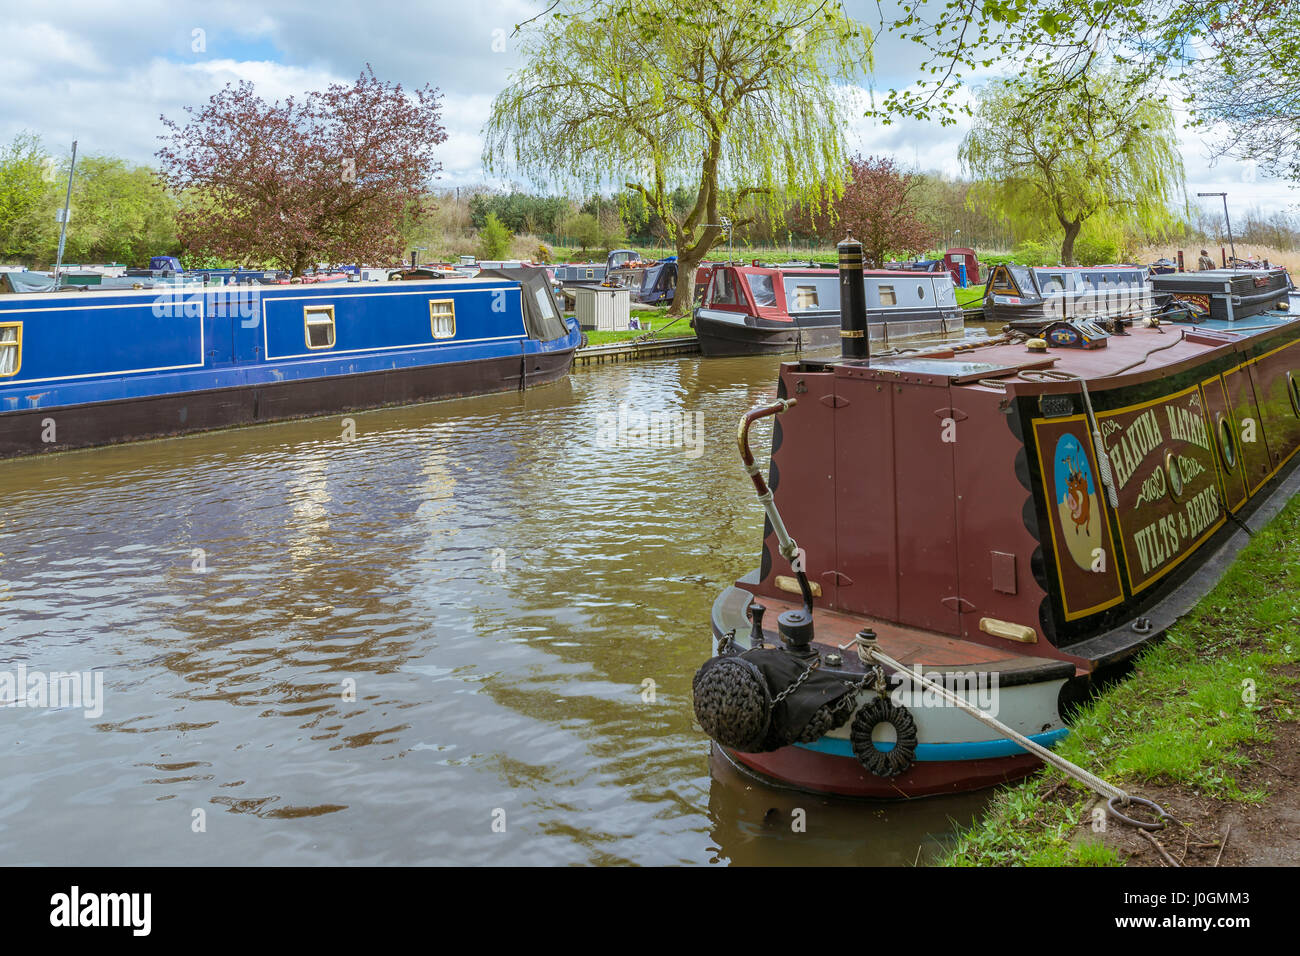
(1225, 219)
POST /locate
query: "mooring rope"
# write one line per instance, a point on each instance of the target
(869, 652)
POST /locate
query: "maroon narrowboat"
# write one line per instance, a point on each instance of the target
(1004, 518)
(754, 309)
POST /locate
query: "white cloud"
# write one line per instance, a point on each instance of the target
(101, 72)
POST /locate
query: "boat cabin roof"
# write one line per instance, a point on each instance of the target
(1142, 354)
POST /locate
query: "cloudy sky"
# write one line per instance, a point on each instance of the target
(102, 71)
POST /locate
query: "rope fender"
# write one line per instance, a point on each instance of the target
(884, 763)
(764, 699)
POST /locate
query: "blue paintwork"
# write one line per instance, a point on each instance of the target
(973, 750)
(102, 346)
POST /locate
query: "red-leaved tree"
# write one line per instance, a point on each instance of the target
(879, 208)
(322, 179)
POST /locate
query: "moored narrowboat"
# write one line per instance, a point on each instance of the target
(1002, 519)
(1029, 297)
(1226, 294)
(755, 309)
(84, 369)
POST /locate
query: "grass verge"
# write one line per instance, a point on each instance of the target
(1192, 719)
(661, 326)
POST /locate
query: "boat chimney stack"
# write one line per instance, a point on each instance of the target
(853, 301)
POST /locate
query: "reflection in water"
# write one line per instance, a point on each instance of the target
(368, 651)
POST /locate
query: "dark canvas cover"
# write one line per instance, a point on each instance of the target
(541, 317)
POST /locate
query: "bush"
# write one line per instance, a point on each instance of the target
(1095, 250)
(493, 239)
(1032, 253)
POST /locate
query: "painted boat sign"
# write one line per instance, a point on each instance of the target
(1163, 462)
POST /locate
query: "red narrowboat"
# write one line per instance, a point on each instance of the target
(754, 309)
(1005, 518)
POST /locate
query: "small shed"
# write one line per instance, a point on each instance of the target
(605, 310)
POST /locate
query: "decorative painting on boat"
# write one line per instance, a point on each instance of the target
(1081, 536)
(1162, 458)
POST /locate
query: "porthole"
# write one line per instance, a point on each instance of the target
(1227, 443)
(1175, 473)
(1293, 389)
(920, 291)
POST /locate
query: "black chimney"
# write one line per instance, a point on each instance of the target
(853, 301)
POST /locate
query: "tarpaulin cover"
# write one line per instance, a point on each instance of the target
(541, 317)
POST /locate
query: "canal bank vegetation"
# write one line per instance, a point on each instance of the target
(1205, 724)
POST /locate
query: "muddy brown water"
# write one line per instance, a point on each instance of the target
(431, 643)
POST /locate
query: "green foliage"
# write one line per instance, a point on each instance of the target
(1052, 163)
(1186, 715)
(519, 212)
(1033, 253)
(25, 195)
(120, 213)
(728, 100)
(494, 239)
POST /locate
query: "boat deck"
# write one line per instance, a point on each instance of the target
(911, 646)
(1140, 352)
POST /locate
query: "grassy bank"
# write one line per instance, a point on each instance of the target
(1201, 725)
(661, 325)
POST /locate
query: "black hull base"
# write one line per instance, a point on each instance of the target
(728, 339)
(23, 432)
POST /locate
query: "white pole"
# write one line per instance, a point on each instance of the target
(63, 226)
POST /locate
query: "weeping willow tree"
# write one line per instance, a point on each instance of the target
(1091, 149)
(739, 102)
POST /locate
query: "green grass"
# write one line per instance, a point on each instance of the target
(971, 298)
(1184, 718)
(661, 326)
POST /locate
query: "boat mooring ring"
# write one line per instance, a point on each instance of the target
(1162, 816)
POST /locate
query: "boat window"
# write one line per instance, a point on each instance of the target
(887, 295)
(11, 348)
(1021, 275)
(319, 323)
(1052, 283)
(442, 315)
(763, 290)
(920, 292)
(1002, 281)
(725, 291)
(812, 293)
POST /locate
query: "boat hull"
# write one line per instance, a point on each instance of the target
(25, 431)
(728, 336)
(954, 752)
(811, 771)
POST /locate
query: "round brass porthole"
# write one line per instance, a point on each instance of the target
(1227, 443)
(1175, 473)
(1293, 389)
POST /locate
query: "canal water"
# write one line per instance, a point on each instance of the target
(455, 633)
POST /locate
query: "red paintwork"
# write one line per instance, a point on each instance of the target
(952, 261)
(844, 776)
(901, 526)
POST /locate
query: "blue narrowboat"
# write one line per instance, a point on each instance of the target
(94, 368)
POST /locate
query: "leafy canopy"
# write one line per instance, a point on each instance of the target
(1051, 163)
(329, 177)
(727, 99)
(1057, 42)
